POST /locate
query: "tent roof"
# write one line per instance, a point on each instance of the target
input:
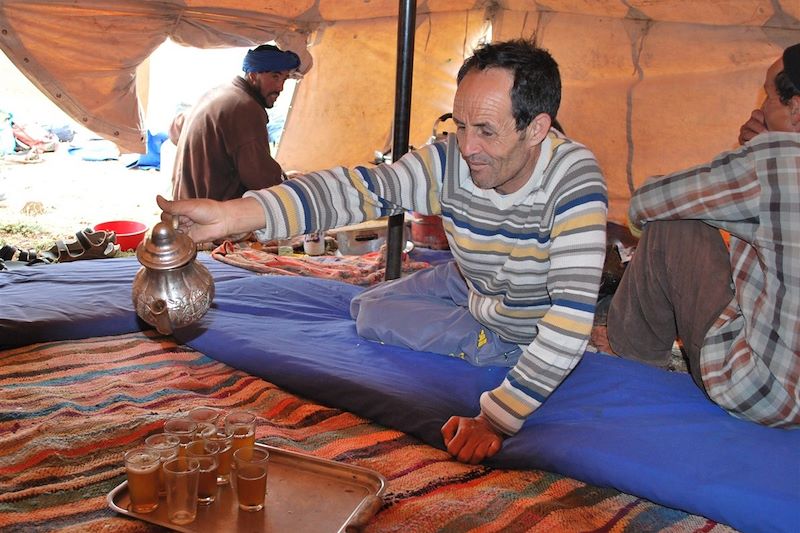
(642, 78)
(83, 53)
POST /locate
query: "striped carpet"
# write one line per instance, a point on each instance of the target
(68, 411)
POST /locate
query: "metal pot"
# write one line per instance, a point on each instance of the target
(361, 239)
(172, 289)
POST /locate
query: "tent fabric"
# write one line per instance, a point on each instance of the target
(649, 87)
(613, 422)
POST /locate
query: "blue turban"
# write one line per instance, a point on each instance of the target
(270, 60)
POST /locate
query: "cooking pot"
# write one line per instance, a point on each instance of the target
(360, 239)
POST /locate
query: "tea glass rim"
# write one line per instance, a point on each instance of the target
(161, 446)
(192, 465)
(221, 435)
(180, 419)
(201, 426)
(205, 453)
(199, 408)
(251, 460)
(252, 417)
(142, 450)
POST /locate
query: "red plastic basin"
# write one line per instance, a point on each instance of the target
(129, 233)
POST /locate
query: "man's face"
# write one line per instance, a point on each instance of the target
(499, 156)
(776, 114)
(270, 85)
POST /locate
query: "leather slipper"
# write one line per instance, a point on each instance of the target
(7, 252)
(100, 244)
(32, 257)
(88, 245)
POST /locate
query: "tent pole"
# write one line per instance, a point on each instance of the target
(406, 25)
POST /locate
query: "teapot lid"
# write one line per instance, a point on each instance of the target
(166, 248)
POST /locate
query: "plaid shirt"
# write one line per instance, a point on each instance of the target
(750, 361)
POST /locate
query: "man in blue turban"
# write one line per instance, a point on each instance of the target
(223, 146)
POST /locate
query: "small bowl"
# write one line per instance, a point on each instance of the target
(129, 233)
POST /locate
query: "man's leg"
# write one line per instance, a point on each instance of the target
(428, 311)
(676, 286)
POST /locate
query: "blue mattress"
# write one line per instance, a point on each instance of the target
(613, 423)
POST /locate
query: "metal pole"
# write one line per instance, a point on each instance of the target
(406, 26)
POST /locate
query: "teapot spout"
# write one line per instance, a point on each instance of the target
(161, 317)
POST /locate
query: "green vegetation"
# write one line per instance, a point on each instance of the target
(26, 236)
(21, 228)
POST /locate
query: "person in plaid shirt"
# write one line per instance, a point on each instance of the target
(736, 309)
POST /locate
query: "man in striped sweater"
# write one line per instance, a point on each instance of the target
(524, 210)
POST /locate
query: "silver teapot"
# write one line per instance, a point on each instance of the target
(172, 289)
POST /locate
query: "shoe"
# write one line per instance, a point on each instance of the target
(89, 244)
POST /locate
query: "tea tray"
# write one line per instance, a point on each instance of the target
(304, 493)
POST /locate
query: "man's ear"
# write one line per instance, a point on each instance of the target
(794, 112)
(539, 127)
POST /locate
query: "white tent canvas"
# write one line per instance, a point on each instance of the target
(650, 86)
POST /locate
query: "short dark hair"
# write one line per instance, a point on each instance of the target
(537, 82)
(786, 89)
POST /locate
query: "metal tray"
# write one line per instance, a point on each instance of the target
(304, 493)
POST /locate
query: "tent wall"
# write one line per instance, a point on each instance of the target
(342, 111)
(83, 54)
(650, 97)
(650, 86)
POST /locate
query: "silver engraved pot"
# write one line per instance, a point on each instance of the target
(172, 289)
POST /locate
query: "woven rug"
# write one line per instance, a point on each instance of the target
(364, 270)
(69, 410)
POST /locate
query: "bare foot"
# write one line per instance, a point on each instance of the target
(599, 339)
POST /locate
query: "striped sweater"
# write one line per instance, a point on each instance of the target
(532, 259)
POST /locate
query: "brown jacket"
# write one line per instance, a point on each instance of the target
(223, 149)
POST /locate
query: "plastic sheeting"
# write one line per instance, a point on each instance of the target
(650, 86)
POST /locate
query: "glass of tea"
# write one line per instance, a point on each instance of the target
(251, 477)
(241, 426)
(142, 465)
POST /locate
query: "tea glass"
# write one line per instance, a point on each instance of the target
(182, 476)
(142, 465)
(241, 426)
(206, 454)
(183, 428)
(167, 446)
(224, 456)
(251, 477)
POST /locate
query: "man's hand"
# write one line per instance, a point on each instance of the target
(205, 220)
(471, 440)
(754, 125)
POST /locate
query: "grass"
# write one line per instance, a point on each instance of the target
(26, 236)
(21, 228)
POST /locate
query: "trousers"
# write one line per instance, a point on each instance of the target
(675, 287)
(428, 311)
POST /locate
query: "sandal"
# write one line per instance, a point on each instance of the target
(7, 252)
(89, 244)
(32, 257)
